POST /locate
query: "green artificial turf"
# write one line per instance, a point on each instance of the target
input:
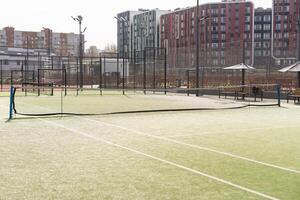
(150, 156)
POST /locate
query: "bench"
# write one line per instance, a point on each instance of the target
(229, 91)
(240, 92)
(294, 94)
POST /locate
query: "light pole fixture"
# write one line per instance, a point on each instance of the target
(198, 19)
(79, 19)
(123, 20)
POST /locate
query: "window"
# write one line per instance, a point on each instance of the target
(222, 19)
(257, 53)
(215, 62)
(214, 28)
(286, 8)
(215, 45)
(247, 19)
(223, 10)
(223, 36)
(258, 18)
(267, 18)
(257, 27)
(248, 10)
(257, 44)
(267, 36)
(222, 62)
(215, 36)
(277, 27)
(257, 35)
(267, 27)
(215, 19)
(247, 27)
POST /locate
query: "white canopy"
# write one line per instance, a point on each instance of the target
(293, 68)
(239, 67)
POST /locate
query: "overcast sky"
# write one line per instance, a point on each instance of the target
(32, 15)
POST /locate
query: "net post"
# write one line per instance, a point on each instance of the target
(144, 71)
(66, 83)
(165, 71)
(278, 89)
(11, 99)
(100, 75)
(39, 82)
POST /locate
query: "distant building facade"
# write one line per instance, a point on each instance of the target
(146, 28)
(227, 29)
(284, 34)
(60, 44)
(141, 30)
(128, 32)
(262, 37)
(92, 51)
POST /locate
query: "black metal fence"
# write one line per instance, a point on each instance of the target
(152, 68)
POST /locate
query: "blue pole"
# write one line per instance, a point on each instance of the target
(278, 87)
(10, 117)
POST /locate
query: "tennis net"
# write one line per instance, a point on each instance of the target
(87, 101)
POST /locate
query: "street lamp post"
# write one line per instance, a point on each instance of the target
(79, 19)
(197, 48)
(122, 20)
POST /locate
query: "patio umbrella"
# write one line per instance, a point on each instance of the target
(293, 68)
(242, 67)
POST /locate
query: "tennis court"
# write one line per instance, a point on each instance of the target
(245, 153)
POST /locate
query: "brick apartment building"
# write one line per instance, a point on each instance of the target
(284, 34)
(61, 44)
(223, 35)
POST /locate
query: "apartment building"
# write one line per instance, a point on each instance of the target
(127, 16)
(226, 35)
(61, 44)
(284, 34)
(262, 37)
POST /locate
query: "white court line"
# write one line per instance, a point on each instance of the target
(190, 145)
(163, 161)
(195, 146)
(223, 132)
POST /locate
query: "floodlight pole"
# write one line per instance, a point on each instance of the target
(123, 81)
(80, 55)
(122, 20)
(197, 49)
(79, 19)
